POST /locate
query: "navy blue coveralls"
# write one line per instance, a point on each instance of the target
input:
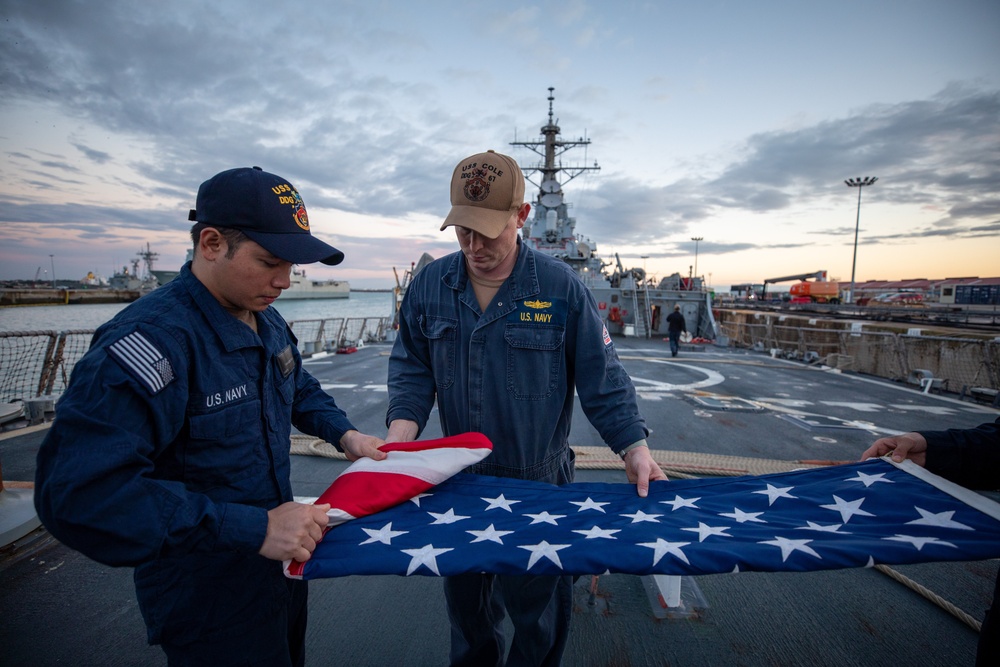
(510, 373)
(971, 457)
(169, 446)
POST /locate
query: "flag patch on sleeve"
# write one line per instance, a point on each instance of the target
(143, 361)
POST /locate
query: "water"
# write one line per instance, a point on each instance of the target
(91, 316)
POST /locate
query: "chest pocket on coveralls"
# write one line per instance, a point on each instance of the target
(224, 446)
(440, 334)
(534, 360)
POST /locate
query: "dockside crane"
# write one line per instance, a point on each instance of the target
(819, 290)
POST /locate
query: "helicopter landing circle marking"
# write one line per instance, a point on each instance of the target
(712, 378)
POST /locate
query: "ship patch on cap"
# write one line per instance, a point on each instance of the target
(477, 188)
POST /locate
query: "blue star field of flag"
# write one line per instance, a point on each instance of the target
(824, 518)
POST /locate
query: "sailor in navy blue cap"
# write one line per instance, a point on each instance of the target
(264, 211)
(170, 451)
(267, 209)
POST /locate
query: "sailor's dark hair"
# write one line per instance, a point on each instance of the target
(234, 237)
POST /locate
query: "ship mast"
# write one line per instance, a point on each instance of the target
(549, 148)
(551, 229)
(148, 257)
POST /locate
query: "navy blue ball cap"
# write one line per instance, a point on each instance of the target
(268, 209)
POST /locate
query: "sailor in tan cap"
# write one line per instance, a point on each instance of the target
(503, 338)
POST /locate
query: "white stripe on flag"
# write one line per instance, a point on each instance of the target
(971, 498)
(430, 465)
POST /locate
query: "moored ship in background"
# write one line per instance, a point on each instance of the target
(630, 303)
(134, 280)
(303, 288)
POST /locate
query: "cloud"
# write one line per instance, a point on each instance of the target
(100, 157)
(944, 151)
(160, 99)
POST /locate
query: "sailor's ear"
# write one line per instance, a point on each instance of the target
(211, 243)
(522, 213)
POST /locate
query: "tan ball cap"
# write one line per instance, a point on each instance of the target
(485, 190)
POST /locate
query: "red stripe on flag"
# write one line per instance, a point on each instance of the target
(469, 440)
(364, 493)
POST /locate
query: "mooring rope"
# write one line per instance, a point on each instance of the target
(931, 595)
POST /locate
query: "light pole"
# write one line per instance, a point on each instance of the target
(858, 183)
(52, 260)
(696, 239)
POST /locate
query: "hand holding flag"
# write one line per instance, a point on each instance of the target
(408, 469)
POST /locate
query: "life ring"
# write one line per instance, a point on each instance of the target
(615, 315)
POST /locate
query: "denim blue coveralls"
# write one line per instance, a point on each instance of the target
(510, 373)
(169, 446)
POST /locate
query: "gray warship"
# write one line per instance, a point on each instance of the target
(630, 302)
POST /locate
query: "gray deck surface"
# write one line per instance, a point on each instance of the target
(59, 608)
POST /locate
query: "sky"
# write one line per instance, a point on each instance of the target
(735, 122)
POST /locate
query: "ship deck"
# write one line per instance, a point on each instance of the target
(61, 608)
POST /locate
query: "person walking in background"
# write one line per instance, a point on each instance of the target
(675, 326)
(502, 337)
(970, 457)
(170, 447)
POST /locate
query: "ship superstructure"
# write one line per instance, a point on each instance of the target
(300, 287)
(142, 282)
(629, 302)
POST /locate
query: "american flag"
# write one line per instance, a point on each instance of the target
(845, 516)
(143, 360)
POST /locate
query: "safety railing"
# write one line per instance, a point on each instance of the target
(39, 363)
(950, 363)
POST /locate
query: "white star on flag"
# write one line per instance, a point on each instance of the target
(426, 556)
(597, 531)
(868, 480)
(847, 509)
(383, 535)
(544, 550)
(447, 517)
(919, 542)
(742, 517)
(416, 499)
(679, 502)
(704, 531)
(500, 503)
(941, 520)
(773, 493)
(787, 546)
(545, 517)
(490, 534)
(831, 528)
(589, 504)
(639, 516)
(661, 548)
